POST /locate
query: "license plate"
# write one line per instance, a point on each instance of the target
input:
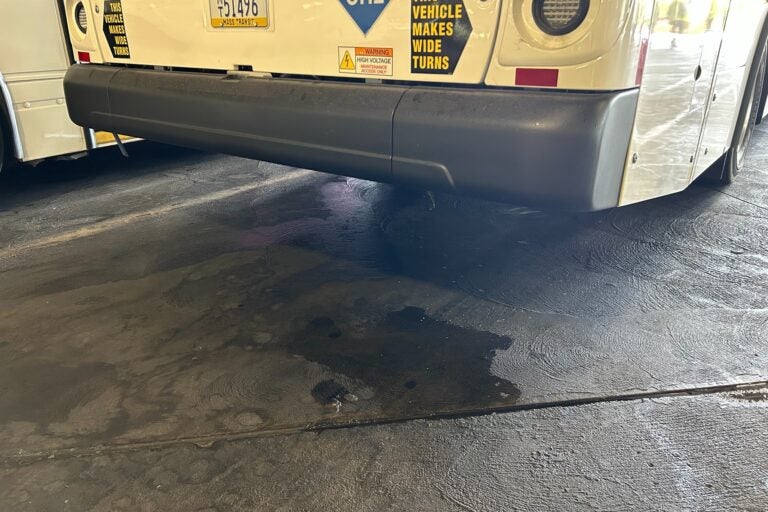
(239, 13)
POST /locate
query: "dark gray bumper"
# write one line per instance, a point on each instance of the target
(540, 148)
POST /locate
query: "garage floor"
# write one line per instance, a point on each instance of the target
(184, 331)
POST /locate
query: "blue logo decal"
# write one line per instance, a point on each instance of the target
(364, 12)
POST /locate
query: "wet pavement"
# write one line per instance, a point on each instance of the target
(200, 332)
(697, 453)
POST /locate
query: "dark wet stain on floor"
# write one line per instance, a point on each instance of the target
(410, 361)
(339, 300)
(330, 392)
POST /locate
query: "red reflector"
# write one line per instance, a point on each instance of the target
(83, 57)
(537, 77)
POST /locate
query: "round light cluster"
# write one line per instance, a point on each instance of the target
(559, 17)
(81, 17)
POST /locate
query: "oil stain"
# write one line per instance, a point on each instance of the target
(414, 363)
(329, 392)
(326, 325)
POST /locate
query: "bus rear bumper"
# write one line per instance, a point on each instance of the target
(561, 150)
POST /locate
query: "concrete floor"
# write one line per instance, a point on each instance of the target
(184, 331)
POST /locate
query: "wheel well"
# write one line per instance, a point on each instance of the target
(764, 92)
(5, 129)
(763, 101)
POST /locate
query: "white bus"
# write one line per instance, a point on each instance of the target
(34, 56)
(568, 104)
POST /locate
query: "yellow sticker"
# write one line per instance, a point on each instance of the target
(239, 22)
(366, 61)
(347, 64)
(102, 138)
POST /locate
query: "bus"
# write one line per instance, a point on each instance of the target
(34, 56)
(577, 105)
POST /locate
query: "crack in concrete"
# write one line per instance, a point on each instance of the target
(758, 206)
(209, 440)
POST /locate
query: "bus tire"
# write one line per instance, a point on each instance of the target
(7, 156)
(3, 150)
(747, 120)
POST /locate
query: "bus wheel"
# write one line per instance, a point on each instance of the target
(747, 120)
(3, 155)
(6, 149)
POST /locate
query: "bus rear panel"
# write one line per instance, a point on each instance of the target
(574, 105)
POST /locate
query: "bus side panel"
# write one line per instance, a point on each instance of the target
(741, 34)
(680, 65)
(44, 123)
(33, 60)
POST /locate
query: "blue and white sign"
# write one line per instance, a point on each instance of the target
(364, 12)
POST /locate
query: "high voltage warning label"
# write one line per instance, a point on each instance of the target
(440, 30)
(366, 61)
(347, 62)
(114, 29)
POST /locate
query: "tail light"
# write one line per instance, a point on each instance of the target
(81, 18)
(559, 17)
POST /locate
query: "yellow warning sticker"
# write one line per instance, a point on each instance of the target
(347, 64)
(366, 61)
